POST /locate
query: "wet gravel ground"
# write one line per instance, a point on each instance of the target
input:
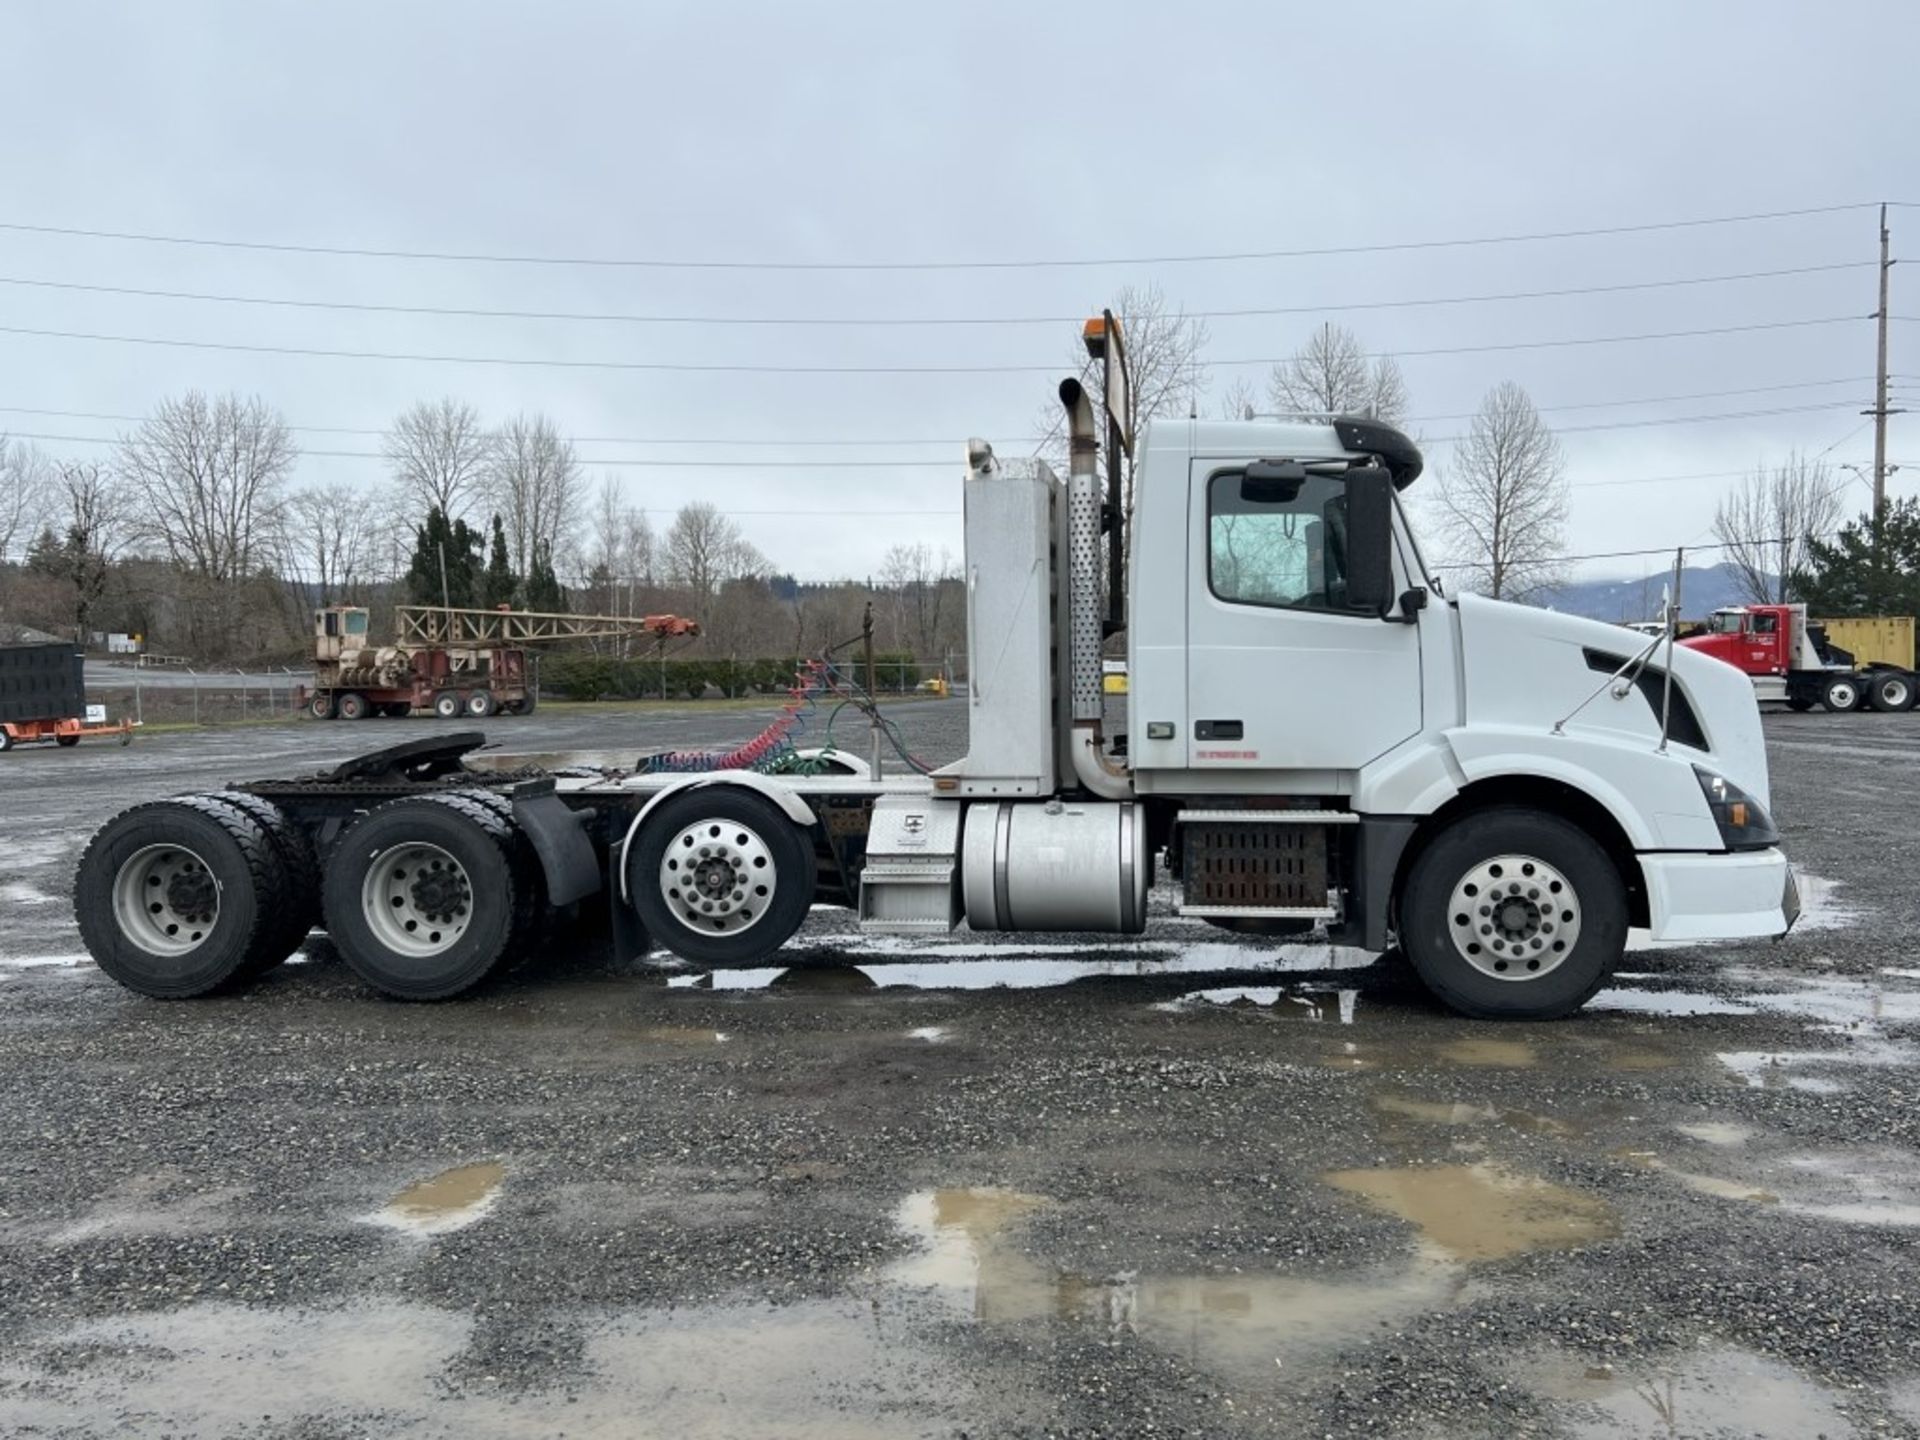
(1186, 1185)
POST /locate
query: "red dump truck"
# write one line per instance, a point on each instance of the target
(1807, 662)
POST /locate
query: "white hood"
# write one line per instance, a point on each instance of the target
(1527, 667)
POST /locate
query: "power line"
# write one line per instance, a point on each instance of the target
(646, 263)
(914, 463)
(683, 367)
(614, 317)
(949, 442)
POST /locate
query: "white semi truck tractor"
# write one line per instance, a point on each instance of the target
(1314, 737)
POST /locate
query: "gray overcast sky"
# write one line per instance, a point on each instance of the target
(984, 131)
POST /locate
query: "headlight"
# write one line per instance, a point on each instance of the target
(1743, 821)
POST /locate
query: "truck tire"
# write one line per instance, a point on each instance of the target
(421, 896)
(1890, 691)
(6, 739)
(447, 706)
(177, 898)
(480, 704)
(323, 707)
(529, 703)
(720, 875)
(299, 863)
(1511, 913)
(1801, 703)
(1842, 693)
(354, 706)
(66, 742)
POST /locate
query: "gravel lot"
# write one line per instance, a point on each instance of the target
(1184, 1186)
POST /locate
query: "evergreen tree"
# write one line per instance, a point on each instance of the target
(1872, 567)
(498, 586)
(460, 544)
(543, 586)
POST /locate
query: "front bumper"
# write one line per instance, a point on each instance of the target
(1741, 896)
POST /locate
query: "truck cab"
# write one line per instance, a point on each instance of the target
(1789, 658)
(339, 630)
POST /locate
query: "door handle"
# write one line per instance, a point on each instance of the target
(1218, 730)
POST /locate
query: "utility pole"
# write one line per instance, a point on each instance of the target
(1879, 412)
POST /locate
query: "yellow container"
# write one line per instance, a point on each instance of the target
(1874, 639)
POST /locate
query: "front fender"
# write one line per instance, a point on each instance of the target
(1654, 798)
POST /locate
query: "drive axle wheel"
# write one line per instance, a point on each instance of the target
(322, 707)
(354, 706)
(178, 897)
(422, 895)
(300, 910)
(447, 706)
(1513, 913)
(1890, 693)
(1842, 693)
(720, 875)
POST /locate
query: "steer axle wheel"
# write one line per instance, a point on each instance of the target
(179, 897)
(424, 896)
(720, 875)
(1513, 913)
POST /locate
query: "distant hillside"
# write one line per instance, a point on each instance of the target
(1702, 589)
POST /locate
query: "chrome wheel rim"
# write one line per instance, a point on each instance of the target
(417, 900)
(1514, 917)
(718, 876)
(165, 900)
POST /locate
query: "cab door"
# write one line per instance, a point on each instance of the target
(1282, 673)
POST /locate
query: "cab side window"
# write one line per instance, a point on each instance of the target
(1277, 543)
(1766, 624)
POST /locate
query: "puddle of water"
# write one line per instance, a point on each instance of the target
(15, 893)
(932, 1034)
(1721, 1391)
(684, 1035)
(1820, 906)
(1441, 1112)
(965, 965)
(1665, 1002)
(1724, 1189)
(1481, 1212)
(1843, 1006)
(1630, 1061)
(32, 962)
(1786, 1069)
(1717, 1132)
(451, 1200)
(1490, 1054)
(810, 1370)
(1879, 1189)
(1238, 1323)
(1306, 1004)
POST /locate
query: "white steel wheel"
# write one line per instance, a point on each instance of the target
(165, 900)
(1891, 693)
(417, 899)
(718, 876)
(447, 706)
(1841, 695)
(1514, 917)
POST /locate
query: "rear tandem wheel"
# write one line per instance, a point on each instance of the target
(177, 898)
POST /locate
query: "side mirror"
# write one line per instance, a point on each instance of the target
(1272, 482)
(1370, 541)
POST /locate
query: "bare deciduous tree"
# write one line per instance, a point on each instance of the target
(918, 580)
(1239, 401)
(211, 476)
(534, 485)
(438, 453)
(334, 541)
(91, 506)
(25, 498)
(1766, 521)
(1502, 497)
(705, 550)
(1332, 375)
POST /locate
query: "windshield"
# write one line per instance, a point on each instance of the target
(1725, 622)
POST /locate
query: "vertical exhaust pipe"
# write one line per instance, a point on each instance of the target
(1091, 764)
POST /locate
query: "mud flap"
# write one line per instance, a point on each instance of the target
(559, 838)
(626, 934)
